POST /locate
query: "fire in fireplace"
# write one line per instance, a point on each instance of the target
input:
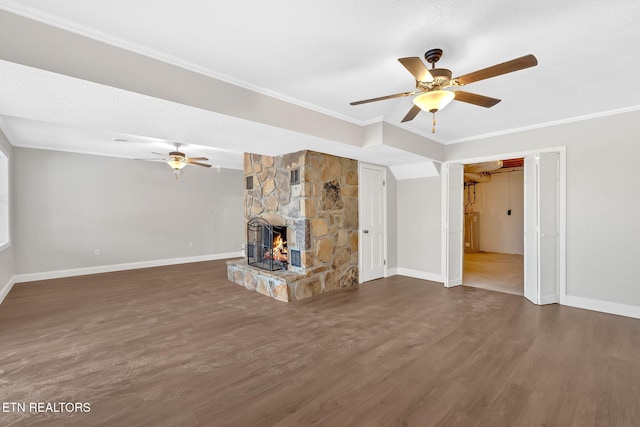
(266, 245)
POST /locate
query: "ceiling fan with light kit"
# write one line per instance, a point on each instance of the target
(432, 85)
(178, 160)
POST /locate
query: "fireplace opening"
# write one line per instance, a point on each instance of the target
(267, 245)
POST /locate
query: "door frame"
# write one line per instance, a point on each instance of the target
(384, 213)
(562, 210)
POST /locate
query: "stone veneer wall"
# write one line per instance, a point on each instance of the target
(320, 213)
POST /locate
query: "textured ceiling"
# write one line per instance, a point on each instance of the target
(325, 54)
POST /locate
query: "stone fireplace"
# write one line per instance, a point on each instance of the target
(309, 201)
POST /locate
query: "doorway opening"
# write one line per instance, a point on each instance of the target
(493, 207)
(545, 192)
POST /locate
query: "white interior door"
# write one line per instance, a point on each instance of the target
(372, 222)
(531, 228)
(549, 228)
(454, 228)
(542, 228)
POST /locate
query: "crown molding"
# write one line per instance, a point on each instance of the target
(49, 19)
(547, 124)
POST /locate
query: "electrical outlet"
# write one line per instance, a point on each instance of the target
(96, 252)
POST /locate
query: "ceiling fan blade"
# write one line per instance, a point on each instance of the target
(152, 160)
(473, 98)
(198, 164)
(159, 154)
(416, 67)
(413, 112)
(197, 158)
(382, 98)
(499, 69)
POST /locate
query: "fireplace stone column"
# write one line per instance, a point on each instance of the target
(315, 196)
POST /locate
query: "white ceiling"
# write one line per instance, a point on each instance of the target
(323, 55)
(86, 117)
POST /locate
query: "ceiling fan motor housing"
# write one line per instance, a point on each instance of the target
(441, 79)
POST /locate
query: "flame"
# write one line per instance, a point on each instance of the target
(279, 251)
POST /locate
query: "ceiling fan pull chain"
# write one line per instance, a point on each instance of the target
(433, 129)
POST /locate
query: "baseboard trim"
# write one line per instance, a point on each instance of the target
(569, 300)
(549, 299)
(57, 274)
(603, 306)
(4, 291)
(417, 274)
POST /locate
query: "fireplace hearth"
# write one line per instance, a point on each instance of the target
(266, 245)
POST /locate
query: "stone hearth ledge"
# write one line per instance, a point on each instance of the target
(280, 285)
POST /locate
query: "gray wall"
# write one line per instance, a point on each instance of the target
(67, 205)
(419, 231)
(6, 255)
(392, 221)
(602, 205)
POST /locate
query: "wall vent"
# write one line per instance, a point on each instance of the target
(295, 176)
(294, 258)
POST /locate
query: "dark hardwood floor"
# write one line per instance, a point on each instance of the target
(181, 345)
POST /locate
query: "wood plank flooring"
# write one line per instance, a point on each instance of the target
(181, 345)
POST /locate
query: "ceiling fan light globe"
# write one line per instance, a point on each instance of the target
(177, 164)
(434, 101)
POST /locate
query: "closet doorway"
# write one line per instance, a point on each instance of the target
(545, 195)
(494, 225)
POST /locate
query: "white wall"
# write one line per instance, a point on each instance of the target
(602, 209)
(419, 231)
(500, 232)
(6, 254)
(67, 205)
